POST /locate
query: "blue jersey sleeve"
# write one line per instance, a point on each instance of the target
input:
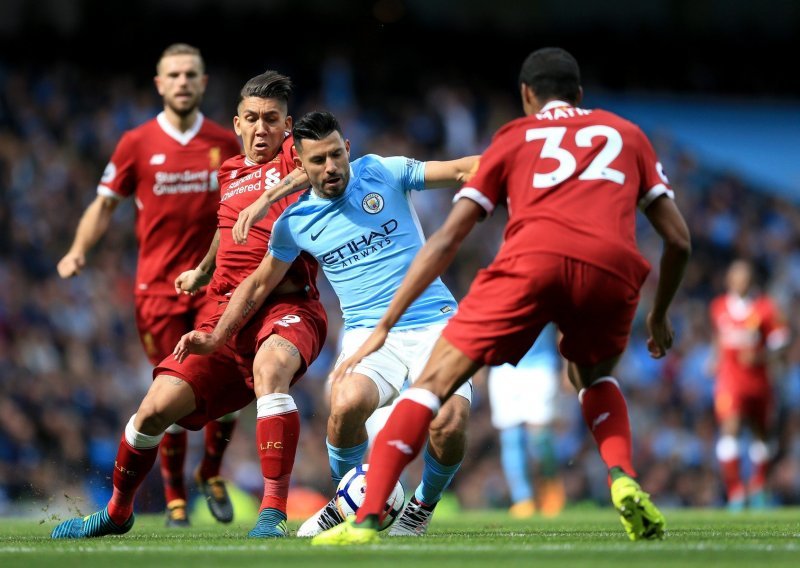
(407, 172)
(282, 244)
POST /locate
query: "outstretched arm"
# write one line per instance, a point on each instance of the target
(246, 300)
(93, 225)
(431, 261)
(451, 172)
(668, 222)
(190, 281)
(295, 181)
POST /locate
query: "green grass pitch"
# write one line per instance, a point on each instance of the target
(578, 537)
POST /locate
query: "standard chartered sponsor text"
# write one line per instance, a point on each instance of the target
(187, 181)
(239, 186)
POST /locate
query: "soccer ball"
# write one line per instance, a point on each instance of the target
(351, 491)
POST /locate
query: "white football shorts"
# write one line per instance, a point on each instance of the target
(401, 358)
(522, 396)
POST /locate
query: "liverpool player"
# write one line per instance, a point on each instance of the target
(747, 329)
(169, 165)
(572, 179)
(281, 340)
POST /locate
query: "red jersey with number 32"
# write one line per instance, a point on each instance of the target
(745, 328)
(172, 176)
(241, 183)
(572, 179)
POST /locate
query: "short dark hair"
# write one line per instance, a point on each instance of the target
(315, 125)
(268, 85)
(552, 73)
(181, 49)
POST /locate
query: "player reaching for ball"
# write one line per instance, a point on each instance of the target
(572, 179)
(357, 221)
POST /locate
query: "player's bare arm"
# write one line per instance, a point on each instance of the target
(93, 225)
(670, 225)
(246, 300)
(190, 281)
(296, 181)
(429, 263)
(450, 173)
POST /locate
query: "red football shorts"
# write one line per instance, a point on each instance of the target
(512, 299)
(223, 382)
(162, 320)
(751, 407)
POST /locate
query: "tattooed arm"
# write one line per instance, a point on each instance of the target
(296, 180)
(246, 300)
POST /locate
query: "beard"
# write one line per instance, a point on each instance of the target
(184, 110)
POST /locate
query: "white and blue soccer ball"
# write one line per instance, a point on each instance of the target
(350, 495)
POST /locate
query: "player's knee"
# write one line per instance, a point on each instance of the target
(152, 418)
(349, 409)
(273, 373)
(272, 379)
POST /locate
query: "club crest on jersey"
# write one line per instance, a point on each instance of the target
(214, 155)
(109, 173)
(157, 159)
(372, 203)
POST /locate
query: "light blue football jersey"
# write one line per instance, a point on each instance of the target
(365, 241)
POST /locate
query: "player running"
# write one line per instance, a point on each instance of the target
(748, 331)
(357, 221)
(264, 357)
(169, 164)
(572, 179)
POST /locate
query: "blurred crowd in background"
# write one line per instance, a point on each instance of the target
(72, 369)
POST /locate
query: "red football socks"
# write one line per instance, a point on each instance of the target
(759, 477)
(606, 415)
(276, 439)
(399, 442)
(732, 478)
(130, 468)
(173, 455)
(217, 437)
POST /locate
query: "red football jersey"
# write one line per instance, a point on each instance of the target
(242, 182)
(745, 328)
(572, 179)
(172, 176)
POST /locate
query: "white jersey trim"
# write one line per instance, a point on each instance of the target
(476, 196)
(183, 138)
(778, 338)
(655, 192)
(554, 104)
(106, 191)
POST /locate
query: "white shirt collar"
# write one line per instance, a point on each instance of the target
(183, 138)
(553, 104)
(739, 306)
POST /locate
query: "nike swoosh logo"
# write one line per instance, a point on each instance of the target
(314, 237)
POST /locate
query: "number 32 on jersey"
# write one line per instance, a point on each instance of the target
(597, 169)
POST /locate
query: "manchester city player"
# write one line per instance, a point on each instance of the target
(358, 222)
